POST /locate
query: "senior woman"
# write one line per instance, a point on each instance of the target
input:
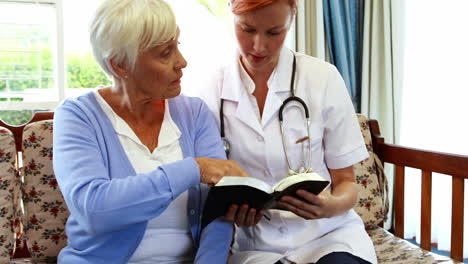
(250, 93)
(133, 160)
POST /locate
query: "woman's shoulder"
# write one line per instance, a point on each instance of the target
(79, 99)
(69, 102)
(185, 103)
(79, 106)
(186, 100)
(189, 112)
(316, 70)
(314, 62)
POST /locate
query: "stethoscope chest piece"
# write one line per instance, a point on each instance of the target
(226, 146)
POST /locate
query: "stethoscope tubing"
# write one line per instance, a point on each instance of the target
(291, 98)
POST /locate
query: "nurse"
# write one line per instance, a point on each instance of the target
(251, 89)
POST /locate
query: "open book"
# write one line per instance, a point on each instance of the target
(257, 193)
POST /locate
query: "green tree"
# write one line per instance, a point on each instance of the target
(31, 68)
(16, 118)
(34, 66)
(84, 72)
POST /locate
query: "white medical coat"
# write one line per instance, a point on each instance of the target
(257, 146)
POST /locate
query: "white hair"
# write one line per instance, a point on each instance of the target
(121, 29)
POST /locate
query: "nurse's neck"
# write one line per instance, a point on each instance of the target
(260, 77)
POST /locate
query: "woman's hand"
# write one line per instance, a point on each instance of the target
(243, 215)
(212, 170)
(313, 206)
(325, 205)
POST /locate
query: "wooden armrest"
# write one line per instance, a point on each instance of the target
(428, 162)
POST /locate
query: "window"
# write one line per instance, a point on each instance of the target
(434, 110)
(29, 52)
(82, 71)
(45, 54)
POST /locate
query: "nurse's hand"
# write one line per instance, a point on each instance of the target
(243, 215)
(212, 170)
(313, 206)
(325, 205)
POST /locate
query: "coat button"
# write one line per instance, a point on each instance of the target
(192, 212)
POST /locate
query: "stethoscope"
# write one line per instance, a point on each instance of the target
(292, 98)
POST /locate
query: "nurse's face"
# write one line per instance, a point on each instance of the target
(260, 34)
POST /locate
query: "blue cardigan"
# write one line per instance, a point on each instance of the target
(109, 203)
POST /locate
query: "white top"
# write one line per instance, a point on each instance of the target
(167, 238)
(256, 145)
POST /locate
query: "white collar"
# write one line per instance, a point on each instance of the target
(280, 82)
(168, 134)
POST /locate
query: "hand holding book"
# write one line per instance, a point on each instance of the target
(327, 204)
(243, 215)
(256, 193)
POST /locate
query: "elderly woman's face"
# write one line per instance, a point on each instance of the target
(158, 71)
(261, 33)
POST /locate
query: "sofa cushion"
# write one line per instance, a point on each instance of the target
(45, 210)
(372, 204)
(394, 250)
(9, 195)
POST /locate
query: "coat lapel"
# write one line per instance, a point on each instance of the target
(279, 87)
(233, 90)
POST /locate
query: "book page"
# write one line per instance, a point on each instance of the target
(291, 180)
(249, 181)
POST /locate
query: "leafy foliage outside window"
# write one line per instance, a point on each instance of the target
(16, 118)
(26, 60)
(38, 67)
(84, 72)
(32, 71)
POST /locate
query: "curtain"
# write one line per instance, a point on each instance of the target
(382, 70)
(310, 36)
(343, 26)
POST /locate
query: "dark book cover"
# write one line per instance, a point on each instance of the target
(314, 187)
(220, 198)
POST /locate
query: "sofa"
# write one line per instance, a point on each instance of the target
(40, 226)
(373, 202)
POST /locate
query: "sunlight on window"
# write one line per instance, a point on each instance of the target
(206, 39)
(435, 107)
(83, 72)
(27, 51)
(436, 91)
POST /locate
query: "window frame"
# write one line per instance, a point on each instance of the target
(59, 69)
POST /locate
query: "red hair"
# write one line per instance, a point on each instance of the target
(239, 7)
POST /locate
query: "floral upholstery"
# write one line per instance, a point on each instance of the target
(372, 206)
(9, 195)
(372, 203)
(45, 210)
(393, 250)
